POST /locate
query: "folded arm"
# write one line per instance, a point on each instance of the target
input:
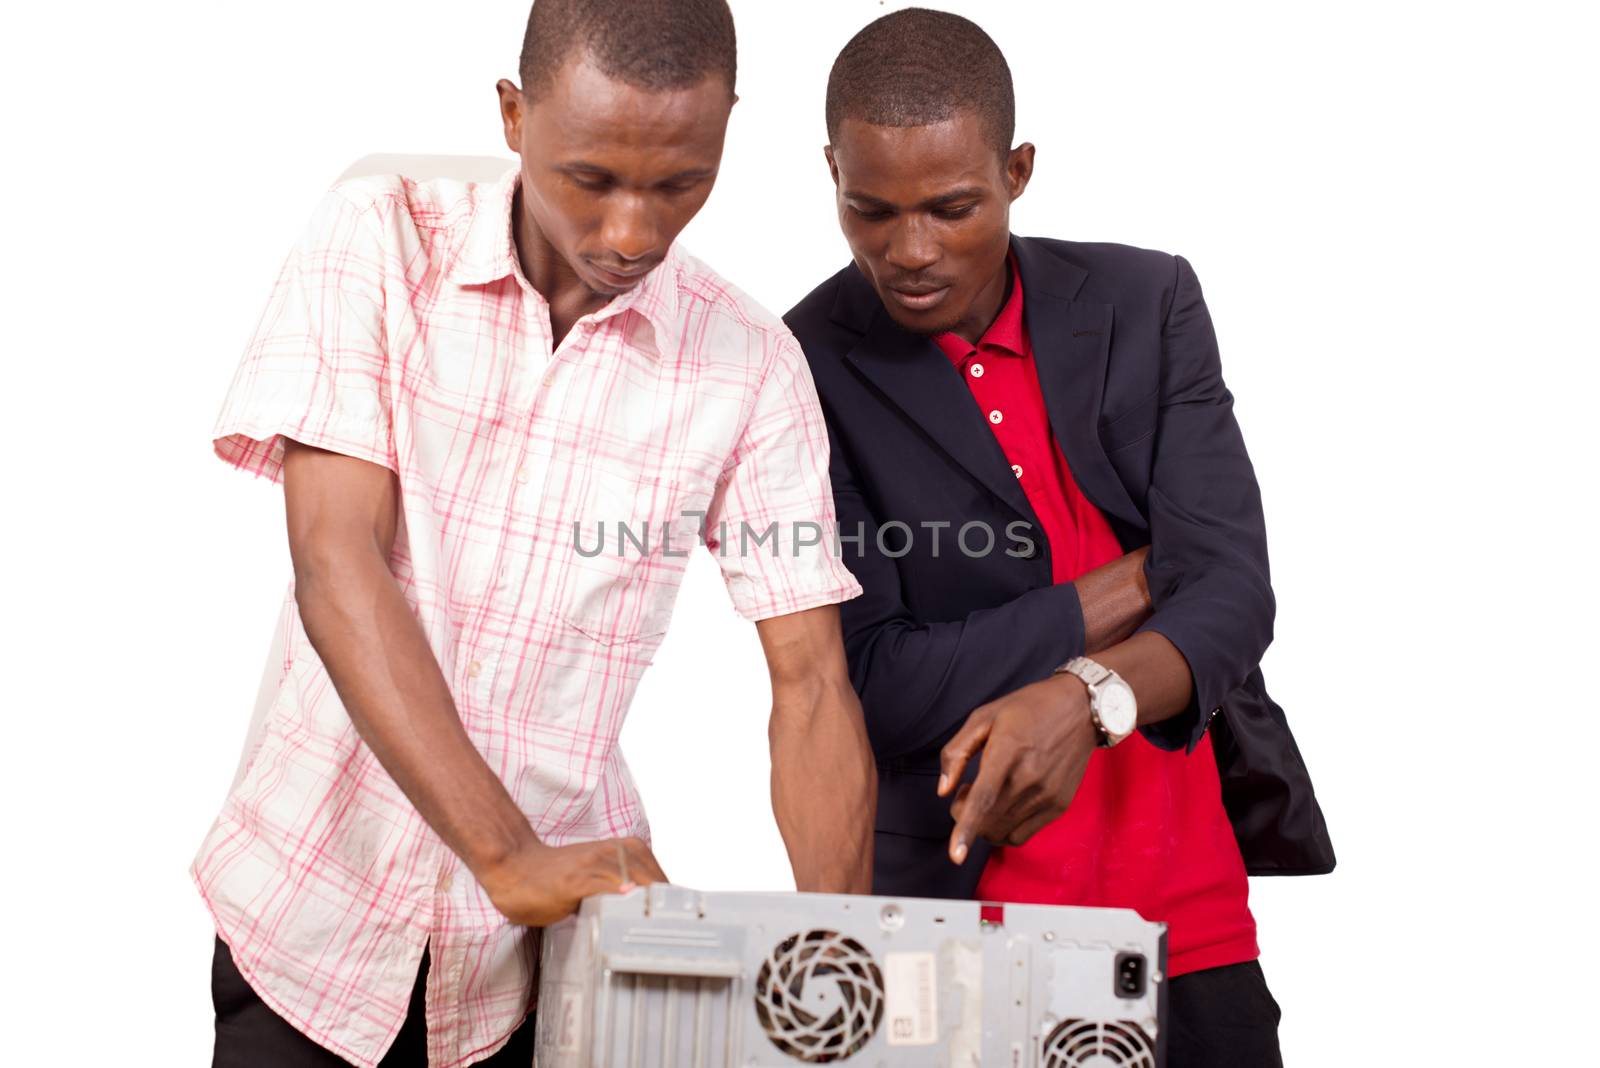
(919, 681)
(1212, 606)
(1208, 573)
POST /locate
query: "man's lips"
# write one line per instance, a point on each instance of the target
(918, 297)
(620, 279)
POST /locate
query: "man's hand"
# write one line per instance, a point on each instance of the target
(1036, 743)
(540, 884)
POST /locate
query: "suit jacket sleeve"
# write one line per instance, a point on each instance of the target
(1207, 568)
(919, 680)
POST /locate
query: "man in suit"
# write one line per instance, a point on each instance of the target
(1042, 489)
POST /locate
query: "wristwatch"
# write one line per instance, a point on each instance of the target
(1112, 707)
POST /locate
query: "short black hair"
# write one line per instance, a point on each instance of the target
(916, 67)
(649, 44)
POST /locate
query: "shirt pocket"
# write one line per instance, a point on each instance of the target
(629, 547)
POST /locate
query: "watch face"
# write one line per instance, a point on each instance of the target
(1118, 712)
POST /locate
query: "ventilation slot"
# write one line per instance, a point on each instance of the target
(667, 1021)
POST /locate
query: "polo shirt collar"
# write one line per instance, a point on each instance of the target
(1004, 334)
(487, 255)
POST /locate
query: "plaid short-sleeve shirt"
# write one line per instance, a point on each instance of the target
(549, 494)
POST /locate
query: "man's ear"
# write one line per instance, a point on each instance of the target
(833, 168)
(512, 105)
(1019, 168)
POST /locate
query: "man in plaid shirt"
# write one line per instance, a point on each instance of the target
(500, 413)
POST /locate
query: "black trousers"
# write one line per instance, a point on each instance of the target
(251, 1035)
(1224, 1017)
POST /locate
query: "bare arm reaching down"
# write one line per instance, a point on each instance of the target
(342, 515)
(824, 784)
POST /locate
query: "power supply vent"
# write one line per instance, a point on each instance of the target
(819, 996)
(1098, 1044)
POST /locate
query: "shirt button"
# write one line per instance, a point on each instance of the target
(474, 669)
(549, 379)
(522, 474)
(977, 370)
(995, 416)
(446, 881)
(1016, 469)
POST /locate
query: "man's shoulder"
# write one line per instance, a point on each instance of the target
(830, 320)
(817, 306)
(704, 293)
(1113, 272)
(428, 201)
(435, 213)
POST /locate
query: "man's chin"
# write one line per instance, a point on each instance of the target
(605, 284)
(925, 324)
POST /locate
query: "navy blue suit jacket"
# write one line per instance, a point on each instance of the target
(1128, 365)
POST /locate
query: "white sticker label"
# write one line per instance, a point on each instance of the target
(569, 1025)
(911, 998)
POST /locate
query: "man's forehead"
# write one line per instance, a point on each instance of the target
(941, 154)
(582, 101)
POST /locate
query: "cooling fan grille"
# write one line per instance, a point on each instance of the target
(819, 996)
(1098, 1044)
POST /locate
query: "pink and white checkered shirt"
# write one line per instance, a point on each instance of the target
(402, 331)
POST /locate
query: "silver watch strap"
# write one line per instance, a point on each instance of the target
(1091, 672)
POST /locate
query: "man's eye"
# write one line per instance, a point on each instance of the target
(956, 213)
(591, 183)
(870, 214)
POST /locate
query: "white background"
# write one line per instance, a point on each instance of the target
(1391, 206)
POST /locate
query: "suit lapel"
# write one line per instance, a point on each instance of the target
(918, 378)
(1071, 344)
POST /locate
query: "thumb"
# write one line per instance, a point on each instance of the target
(959, 750)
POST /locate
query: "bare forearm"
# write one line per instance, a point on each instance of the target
(1156, 670)
(390, 684)
(824, 788)
(1114, 599)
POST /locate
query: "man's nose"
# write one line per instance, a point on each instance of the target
(630, 232)
(912, 246)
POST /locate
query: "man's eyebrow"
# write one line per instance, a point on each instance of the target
(931, 204)
(579, 166)
(943, 199)
(686, 175)
(870, 201)
(582, 166)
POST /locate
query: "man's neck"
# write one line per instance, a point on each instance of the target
(551, 275)
(986, 309)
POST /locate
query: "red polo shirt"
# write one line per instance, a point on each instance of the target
(1146, 829)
